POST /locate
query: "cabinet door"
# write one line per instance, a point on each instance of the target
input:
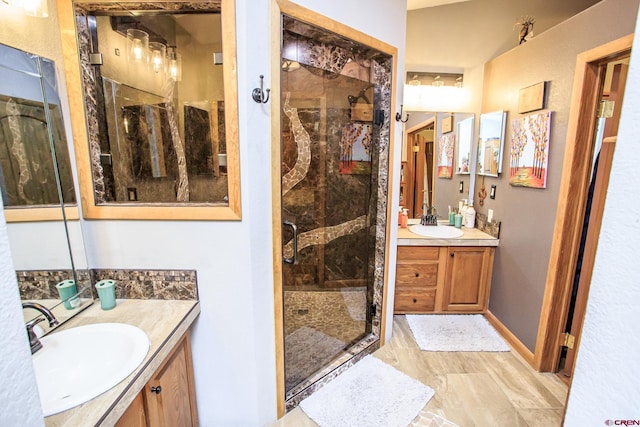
(170, 392)
(135, 415)
(467, 279)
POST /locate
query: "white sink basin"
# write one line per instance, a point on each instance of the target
(436, 231)
(78, 364)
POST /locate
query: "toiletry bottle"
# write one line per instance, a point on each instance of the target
(470, 215)
(400, 215)
(404, 221)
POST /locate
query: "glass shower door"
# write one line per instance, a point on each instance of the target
(329, 211)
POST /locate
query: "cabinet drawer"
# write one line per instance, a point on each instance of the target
(414, 300)
(418, 253)
(416, 275)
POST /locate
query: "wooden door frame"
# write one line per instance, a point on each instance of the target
(279, 7)
(572, 197)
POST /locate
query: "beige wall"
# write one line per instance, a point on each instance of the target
(528, 215)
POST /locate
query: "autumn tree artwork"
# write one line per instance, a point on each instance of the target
(446, 144)
(529, 156)
(355, 148)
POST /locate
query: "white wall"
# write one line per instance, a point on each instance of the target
(18, 389)
(605, 384)
(233, 339)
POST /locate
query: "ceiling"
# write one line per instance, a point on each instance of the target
(421, 4)
(457, 36)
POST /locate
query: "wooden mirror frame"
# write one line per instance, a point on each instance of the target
(150, 211)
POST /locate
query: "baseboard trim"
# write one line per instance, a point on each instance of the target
(511, 339)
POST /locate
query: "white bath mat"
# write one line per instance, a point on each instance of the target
(455, 332)
(370, 393)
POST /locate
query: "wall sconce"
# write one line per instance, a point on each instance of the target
(157, 54)
(37, 8)
(437, 81)
(137, 45)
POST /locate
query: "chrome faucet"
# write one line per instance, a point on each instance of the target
(33, 338)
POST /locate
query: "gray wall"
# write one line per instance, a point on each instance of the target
(528, 215)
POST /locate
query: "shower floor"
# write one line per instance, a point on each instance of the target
(318, 327)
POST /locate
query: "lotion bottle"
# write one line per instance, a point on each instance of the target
(470, 215)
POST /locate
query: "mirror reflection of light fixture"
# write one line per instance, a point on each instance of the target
(174, 60)
(137, 45)
(37, 8)
(157, 53)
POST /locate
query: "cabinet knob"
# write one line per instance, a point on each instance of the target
(451, 254)
(415, 300)
(156, 389)
(417, 274)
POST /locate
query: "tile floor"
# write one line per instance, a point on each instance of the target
(472, 389)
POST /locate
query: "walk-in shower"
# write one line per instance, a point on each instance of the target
(335, 96)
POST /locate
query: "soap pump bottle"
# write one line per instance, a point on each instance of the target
(404, 219)
(470, 216)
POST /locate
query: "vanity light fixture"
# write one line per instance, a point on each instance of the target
(458, 83)
(437, 81)
(37, 8)
(137, 45)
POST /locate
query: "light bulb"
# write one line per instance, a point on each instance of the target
(137, 45)
(137, 50)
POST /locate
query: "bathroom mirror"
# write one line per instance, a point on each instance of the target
(491, 143)
(160, 96)
(37, 185)
(425, 133)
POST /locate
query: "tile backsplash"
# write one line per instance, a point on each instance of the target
(133, 284)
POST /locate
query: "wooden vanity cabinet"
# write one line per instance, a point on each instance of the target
(168, 399)
(468, 279)
(431, 279)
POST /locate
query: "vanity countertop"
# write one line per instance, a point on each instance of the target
(164, 321)
(471, 237)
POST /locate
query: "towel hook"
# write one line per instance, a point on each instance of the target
(399, 116)
(258, 93)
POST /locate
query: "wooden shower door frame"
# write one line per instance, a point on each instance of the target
(279, 7)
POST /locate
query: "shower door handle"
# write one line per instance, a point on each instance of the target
(294, 228)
